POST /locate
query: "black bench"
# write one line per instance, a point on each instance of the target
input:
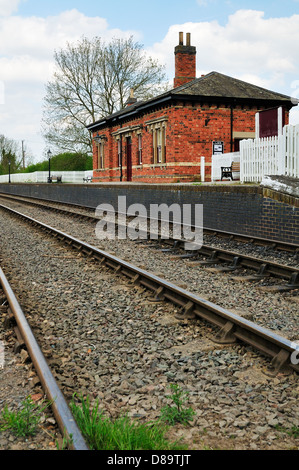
(227, 171)
(87, 179)
(58, 179)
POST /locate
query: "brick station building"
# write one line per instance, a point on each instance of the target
(164, 138)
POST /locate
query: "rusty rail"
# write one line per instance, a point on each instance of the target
(61, 411)
(231, 326)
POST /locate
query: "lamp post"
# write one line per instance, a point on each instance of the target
(49, 158)
(9, 162)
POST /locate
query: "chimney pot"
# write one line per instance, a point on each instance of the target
(188, 39)
(181, 39)
(131, 100)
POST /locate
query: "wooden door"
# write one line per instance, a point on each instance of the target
(129, 158)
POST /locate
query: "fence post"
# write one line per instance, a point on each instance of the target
(202, 168)
(280, 125)
(296, 151)
(242, 161)
(281, 157)
(257, 126)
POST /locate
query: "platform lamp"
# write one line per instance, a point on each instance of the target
(49, 153)
(9, 163)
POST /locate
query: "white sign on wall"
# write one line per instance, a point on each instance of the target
(218, 148)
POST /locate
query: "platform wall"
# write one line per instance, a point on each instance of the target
(248, 210)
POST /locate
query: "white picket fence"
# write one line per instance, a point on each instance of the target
(270, 156)
(42, 176)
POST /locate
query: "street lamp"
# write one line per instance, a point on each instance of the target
(49, 158)
(9, 162)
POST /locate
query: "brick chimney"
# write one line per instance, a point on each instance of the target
(185, 61)
(132, 99)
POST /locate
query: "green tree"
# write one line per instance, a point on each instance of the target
(9, 159)
(64, 162)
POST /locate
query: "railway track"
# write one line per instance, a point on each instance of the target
(112, 340)
(231, 327)
(222, 260)
(233, 262)
(24, 334)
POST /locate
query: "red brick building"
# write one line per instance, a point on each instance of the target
(164, 138)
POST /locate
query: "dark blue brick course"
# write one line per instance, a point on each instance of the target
(238, 209)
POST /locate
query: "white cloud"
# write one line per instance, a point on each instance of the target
(40, 36)
(262, 51)
(7, 7)
(26, 64)
(249, 47)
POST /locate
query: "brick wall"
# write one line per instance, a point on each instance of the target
(185, 61)
(238, 209)
(185, 67)
(190, 130)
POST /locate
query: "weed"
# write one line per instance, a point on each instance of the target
(293, 432)
(176, 413)
(66, 442)
(24, 422)
(102, 433)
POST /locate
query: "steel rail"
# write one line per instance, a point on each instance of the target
(238, 260)
(61, 411)
(266, 242)
(231, 326)
(215, 255)
(260, 241)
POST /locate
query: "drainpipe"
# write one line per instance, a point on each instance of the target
(231, 128)
(121, 156)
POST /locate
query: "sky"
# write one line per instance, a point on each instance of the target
(255, 41)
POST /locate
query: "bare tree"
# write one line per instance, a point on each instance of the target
(92, 80)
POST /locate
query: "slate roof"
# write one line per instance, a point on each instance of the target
(213, 86)
(216, 84)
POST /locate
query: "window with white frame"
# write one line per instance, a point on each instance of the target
(159, 144)
(139, 149)
(101, 154)
(119, 152)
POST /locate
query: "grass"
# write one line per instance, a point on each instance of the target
(24, 422)
(100, 431)
(103, 433)
(293, 432)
